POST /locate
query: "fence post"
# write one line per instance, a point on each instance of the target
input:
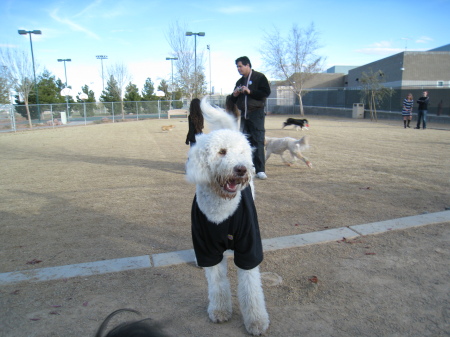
(159, 108)
(51, 114)
(112, 108)
(84, 106)
(13, 118)
(137, 111)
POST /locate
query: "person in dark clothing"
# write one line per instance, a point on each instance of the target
(422, 110)
(195, 120)
(250, 95)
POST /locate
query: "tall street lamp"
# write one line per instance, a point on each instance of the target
(195, 59)
(171, 61)
(101, 58)
(37, 32)
(65, 74)
(209, 49)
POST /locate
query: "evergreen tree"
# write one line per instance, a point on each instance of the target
(131, 96)
(164, 87)
(110, 94)
(49, 92)
(90, 106)
(148, 92)
(132, 93)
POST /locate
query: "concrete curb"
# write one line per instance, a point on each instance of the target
(187, 256)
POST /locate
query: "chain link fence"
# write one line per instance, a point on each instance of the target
(13, 117)
(287, 103)
(52, 115)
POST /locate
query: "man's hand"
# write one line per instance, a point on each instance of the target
(245, 90)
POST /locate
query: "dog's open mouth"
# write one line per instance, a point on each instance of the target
(231, 186)
(228, 187)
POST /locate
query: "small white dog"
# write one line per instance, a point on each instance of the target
(224, 217)
(294, 146)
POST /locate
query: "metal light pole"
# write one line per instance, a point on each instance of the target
(101, 58)
(171, 61)
(195, 60)
(209, 49)
(65, 74)
(37, 32)
(84, 97)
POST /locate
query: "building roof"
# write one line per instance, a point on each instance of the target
(442, 48)
(318, 80)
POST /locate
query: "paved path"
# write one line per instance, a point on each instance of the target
(187, 256)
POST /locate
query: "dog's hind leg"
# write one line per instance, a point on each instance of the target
(268, 153)
(285, 162)
(219, 293)
(251, 300)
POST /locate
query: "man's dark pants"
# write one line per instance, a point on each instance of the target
(422, 115)
(253, 128)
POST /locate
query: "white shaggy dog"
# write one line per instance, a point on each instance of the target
(224, 217)
(294, 146)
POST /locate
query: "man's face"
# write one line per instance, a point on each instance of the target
(424, 94)
(242, 69)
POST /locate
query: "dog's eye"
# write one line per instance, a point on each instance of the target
(222, 152)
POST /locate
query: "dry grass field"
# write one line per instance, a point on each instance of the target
(80, 194)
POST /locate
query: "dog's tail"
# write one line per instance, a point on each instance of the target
(303, 143)
(216, 117)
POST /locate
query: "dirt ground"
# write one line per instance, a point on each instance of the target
(81, 194)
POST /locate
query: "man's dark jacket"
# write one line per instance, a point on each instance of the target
(423, 103)
(259, 91)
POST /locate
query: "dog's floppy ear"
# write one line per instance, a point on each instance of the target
(216, 117)
(197, 169)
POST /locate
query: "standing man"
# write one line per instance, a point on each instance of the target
(250, 95)
(423, 110)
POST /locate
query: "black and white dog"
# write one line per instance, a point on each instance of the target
(299, 123)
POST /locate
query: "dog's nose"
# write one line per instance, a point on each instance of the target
(240, 170)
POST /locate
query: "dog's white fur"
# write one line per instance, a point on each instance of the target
(294, 146)
(220, 164)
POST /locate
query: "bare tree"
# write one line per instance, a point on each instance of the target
(189, 80)
(19, 70)
(373, 91)
(122, 76)
(293, 59)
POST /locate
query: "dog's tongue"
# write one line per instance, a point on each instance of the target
(231, 186)
(307, 125)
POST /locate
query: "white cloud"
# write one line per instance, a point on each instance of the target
(6, 45)
(235, 9)
(89, 8)
(381, 48)
(379, 51)
(74, 26)
(424, 39)
(381, 44)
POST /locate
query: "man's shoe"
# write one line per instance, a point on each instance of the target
(261, 175)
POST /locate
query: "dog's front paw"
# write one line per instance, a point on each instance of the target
(219, 316)
(309, 164)
(257, 327)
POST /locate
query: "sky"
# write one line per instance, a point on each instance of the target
(135, 33)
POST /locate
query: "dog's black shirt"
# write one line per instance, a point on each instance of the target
(240, 233)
